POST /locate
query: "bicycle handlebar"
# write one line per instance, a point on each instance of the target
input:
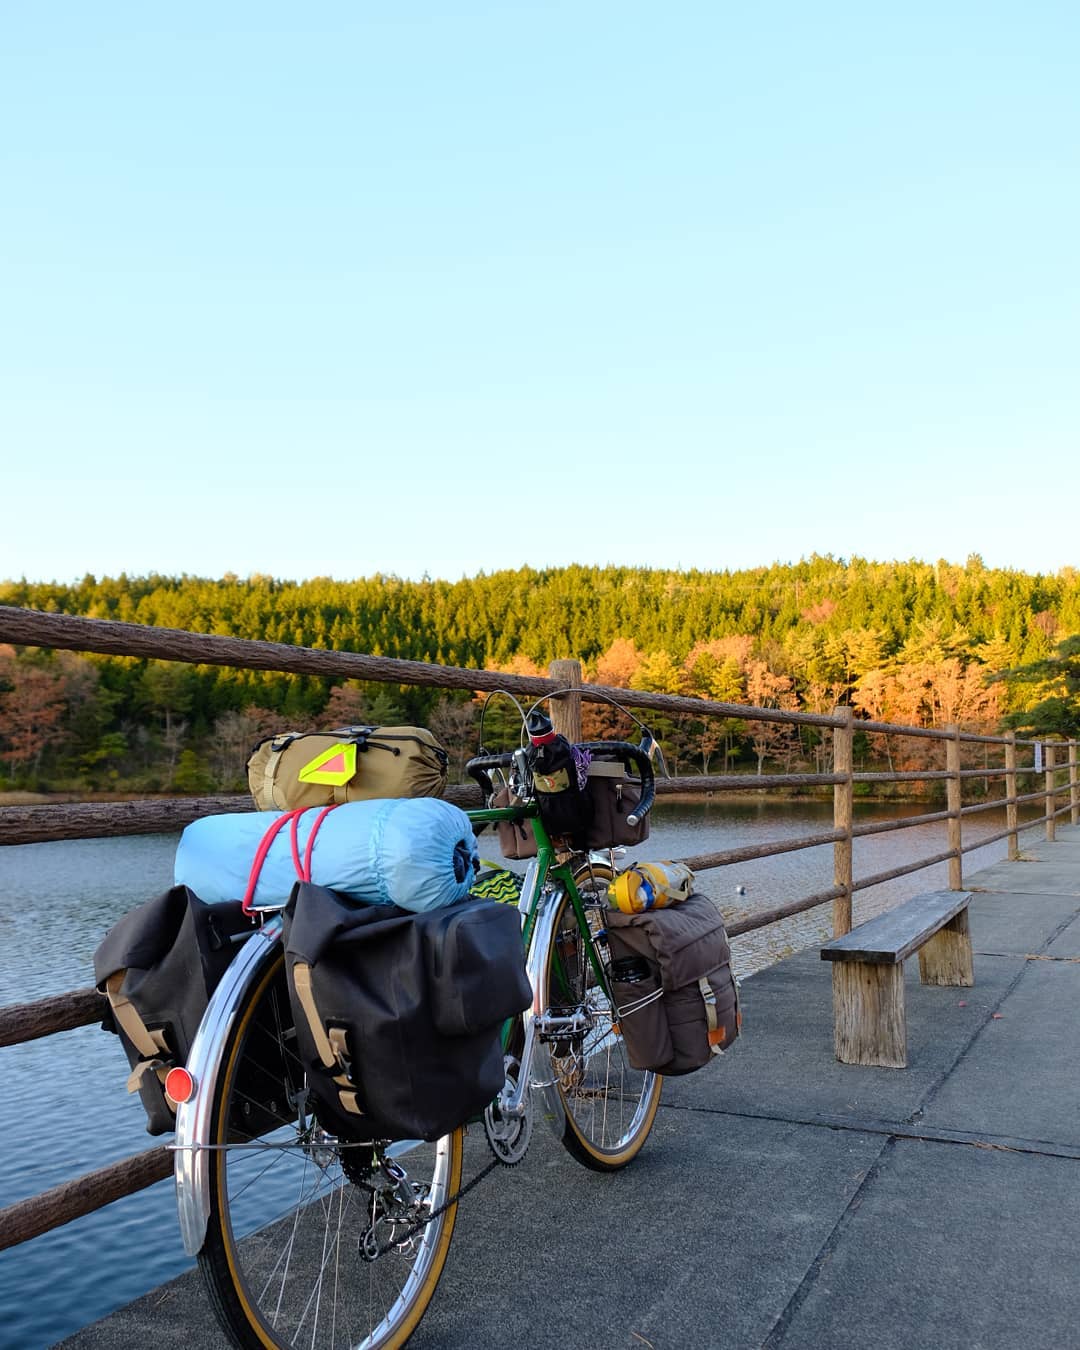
(480, 767)
(626, 750)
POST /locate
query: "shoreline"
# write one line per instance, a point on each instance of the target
(744, 795)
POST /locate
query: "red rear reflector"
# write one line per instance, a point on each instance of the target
(179, 1085)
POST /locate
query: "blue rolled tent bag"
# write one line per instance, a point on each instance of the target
(419, 853)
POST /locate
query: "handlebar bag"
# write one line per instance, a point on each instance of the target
(158, 966)
(398, 1015)
(613, 797)
(558, 777)
(298, 769)
(683, 1010)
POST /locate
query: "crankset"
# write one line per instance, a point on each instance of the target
(508, 1136)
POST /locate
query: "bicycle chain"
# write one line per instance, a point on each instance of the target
(421, 1224)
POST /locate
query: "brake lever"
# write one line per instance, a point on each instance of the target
(519, 775)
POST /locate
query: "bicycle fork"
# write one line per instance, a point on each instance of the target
(540, 1024)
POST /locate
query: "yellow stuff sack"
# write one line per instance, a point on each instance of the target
(299, 769)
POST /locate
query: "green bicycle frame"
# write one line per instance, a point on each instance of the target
(542, 869)
(538, 906)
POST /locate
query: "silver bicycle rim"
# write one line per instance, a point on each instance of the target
(596, 1081)
(293, 1225)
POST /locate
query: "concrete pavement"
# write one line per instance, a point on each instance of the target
(785, 1200)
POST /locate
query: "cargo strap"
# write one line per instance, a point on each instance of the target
(361, 738)
(636, 1005)
(277, 749)
(152, 1045)
(330, 1042)
(303, 867)
(717, 1033)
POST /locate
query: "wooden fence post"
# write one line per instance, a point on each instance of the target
(954, 799)
(846, 996)
(1074, 786)
(566, 711)
(1051, 798)
(1011, 814)
(843, 763)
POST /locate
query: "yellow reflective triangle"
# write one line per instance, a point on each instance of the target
(334, 767)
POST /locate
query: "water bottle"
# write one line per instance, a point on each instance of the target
(652, 885)
(630, 969)
(565, 808)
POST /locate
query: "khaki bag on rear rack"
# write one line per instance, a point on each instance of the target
(682, 1007)
(299, 769)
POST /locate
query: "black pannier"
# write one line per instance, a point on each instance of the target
(677, 1002)
(158, 966)
(398, 1015)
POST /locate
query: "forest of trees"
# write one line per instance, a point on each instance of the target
(911, 642)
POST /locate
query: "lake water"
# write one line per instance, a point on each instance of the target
(64, 1110)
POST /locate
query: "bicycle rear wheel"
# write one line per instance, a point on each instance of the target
(609, 1105)
(313, 1240)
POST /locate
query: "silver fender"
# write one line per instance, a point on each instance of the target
(204, 1063)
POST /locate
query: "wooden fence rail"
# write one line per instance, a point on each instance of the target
(36, 824)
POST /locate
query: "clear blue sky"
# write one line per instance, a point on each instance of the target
(436, 287)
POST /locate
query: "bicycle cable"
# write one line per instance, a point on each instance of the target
(648, 737)
(494, 693)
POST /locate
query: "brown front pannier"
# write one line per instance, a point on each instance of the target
(517, 839)
(681, 1007)
(300, 769)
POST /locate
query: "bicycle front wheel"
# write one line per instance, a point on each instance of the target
(609, 1105)
(314, 1240)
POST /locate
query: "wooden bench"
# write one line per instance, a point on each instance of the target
(868, 974)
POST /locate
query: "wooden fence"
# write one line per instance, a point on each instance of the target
(19, 1023)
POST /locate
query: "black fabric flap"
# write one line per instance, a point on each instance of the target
(143, 936)
(321, 919)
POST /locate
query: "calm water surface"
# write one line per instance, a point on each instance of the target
(64, 1109)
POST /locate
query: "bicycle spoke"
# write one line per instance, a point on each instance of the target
(609, 1106)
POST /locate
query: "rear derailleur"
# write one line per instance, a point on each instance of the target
(399, 1208)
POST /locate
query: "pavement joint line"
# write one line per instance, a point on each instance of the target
(1025, 895)
(1033, 956)
(780, 1327)
(1042, 1148)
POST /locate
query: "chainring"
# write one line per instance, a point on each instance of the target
(509, 1136)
